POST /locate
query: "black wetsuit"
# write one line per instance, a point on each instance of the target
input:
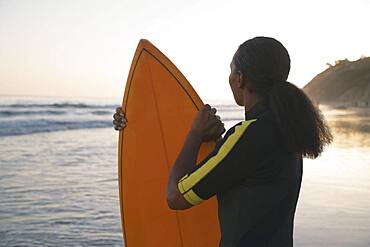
(256, 181)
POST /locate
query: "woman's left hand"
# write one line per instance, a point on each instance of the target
(119, 121)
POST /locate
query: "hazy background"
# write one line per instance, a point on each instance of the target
(58, 154)
(84, 47)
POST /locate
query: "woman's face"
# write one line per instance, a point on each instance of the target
(235, 84)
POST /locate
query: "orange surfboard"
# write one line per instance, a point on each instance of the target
(160, 105)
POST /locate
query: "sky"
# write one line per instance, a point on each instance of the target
(84, 48)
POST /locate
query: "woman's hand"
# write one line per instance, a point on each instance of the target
(119, 121)
(207, 125)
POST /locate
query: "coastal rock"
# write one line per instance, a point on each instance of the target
(346, 84)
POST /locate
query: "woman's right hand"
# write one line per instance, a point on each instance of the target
(119, 121)
(207, 125)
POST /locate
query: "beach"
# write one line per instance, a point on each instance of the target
(59, 182)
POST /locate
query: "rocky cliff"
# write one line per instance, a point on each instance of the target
(344, 84)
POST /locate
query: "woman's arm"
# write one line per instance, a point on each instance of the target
(185, 163)
(206, 127)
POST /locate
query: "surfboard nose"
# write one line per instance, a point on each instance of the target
(144, 43)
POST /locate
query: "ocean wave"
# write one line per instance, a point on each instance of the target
(9, 113)
(228, 119)
(14, 128)
(27, 117)
(227, 106)
(58, 105)
(27, 113)
(101, 112)
(85, 105)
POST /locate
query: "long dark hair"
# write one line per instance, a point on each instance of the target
(265, 63)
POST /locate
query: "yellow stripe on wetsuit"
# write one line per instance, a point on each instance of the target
(187, 182)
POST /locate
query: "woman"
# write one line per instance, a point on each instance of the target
(256, 168)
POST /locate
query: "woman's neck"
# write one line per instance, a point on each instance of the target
(251, 100)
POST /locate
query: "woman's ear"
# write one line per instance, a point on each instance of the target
(240, 82)
(244, 83)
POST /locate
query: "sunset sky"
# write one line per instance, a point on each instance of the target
(84, 48)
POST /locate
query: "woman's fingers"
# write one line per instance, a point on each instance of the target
(119, 109)
(116, 116)
(119, 112)
(119, 122)
(207, 107)
(116, 127)
(218, 126)
(119, 117)
(215, 128)
(207, 124)
(119, 127)
(222, 129)
(216, 131)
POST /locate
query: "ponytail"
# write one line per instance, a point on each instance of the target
(301, 124)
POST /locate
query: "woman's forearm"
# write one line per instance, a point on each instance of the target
(206, 127)
(187, 158)
(185, 163)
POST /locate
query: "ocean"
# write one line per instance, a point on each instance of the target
(59, 187)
